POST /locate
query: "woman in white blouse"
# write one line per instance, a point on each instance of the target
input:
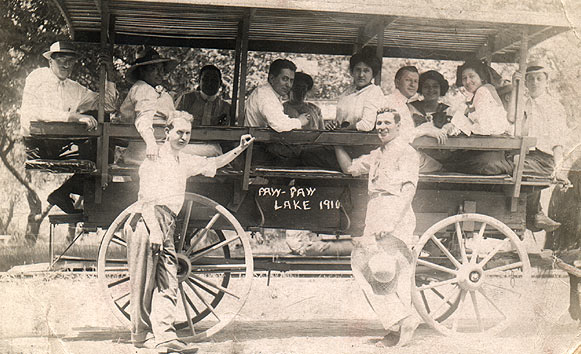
(483, 114)
(357, 106)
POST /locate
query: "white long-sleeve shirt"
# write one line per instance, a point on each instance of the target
(486, 114)
(46, 98)
(359, 107)
(546, 120)
(163, 181)
(144, 105)
(264, 109)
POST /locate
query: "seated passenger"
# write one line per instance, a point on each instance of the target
(483, 114)
(406, 90)
(357, 106)
(296, 105)
(50, 96)
(264, 108)
(207, 108)
(430, 114)
(205, 103)
(147, 102)
(545, 118)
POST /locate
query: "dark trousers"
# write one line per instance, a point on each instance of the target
(574, 298)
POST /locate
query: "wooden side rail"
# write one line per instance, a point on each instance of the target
(307, 137)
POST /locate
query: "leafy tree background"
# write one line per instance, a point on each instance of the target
(29, 27)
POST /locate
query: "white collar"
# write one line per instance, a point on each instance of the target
(209, 98)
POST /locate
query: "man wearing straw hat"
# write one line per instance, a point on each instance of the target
(51, 96)
(381, 259)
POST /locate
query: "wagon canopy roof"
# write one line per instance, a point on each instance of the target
(412, 29)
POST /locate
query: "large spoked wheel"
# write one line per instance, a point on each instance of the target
(471, 275)
(215, 267)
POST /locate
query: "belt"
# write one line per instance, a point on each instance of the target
(381, 194)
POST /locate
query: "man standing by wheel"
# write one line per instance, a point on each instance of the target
(381, 258)
(151, 253)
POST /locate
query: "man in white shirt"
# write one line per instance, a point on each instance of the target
(264, 108)
(545, 119)
(264, 105)
(406, 90)
(50, 96)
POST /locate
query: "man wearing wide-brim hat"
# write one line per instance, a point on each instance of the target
(545, 119)
(381, 259)
(51, 96)
(147, 101)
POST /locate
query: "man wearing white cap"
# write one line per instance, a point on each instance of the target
(545, 118)
(381, 258)
(50, 96)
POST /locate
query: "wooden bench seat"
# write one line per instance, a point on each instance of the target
(62, 166)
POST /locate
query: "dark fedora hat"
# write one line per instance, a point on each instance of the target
(148, 57)
(60, 47)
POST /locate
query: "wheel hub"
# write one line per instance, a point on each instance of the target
(470, 277)
(184, 267)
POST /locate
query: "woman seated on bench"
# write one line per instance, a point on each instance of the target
(483, 114)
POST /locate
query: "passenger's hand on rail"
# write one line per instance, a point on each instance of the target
(87, 120)
(562, 179)
(245, 141)
(331, 125)
(439, 134)
(152, 151)
(304, 118)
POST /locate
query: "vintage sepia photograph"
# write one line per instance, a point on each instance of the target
(290, 176)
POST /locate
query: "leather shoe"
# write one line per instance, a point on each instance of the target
(546, 223)
(175, 346)
(63, 201)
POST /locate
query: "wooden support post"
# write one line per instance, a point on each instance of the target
(243, 66)
(103, 140)
(236, 79)
(247, 165)
(518, 91)
(379, 51)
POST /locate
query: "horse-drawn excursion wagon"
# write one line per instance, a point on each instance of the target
(468, 255)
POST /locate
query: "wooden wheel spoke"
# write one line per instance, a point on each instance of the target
(483, 292)
(458, 311)
(460, 237)
(119, 241)
(121, 297)
(437, 284)
(189, 207)
(436, 266)
(503, 288)
(477, 241)
(422, 292)
(446, 251)
(200, 254)
(476, 310)
(199, 295)
(504, 267)
(493, 252)
(118, 281)
(446, 300)
(215, 286)
(188, 317)
(202, 233)
(203, 287)
(125, 305)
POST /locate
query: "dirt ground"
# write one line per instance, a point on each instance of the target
(66, 314)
